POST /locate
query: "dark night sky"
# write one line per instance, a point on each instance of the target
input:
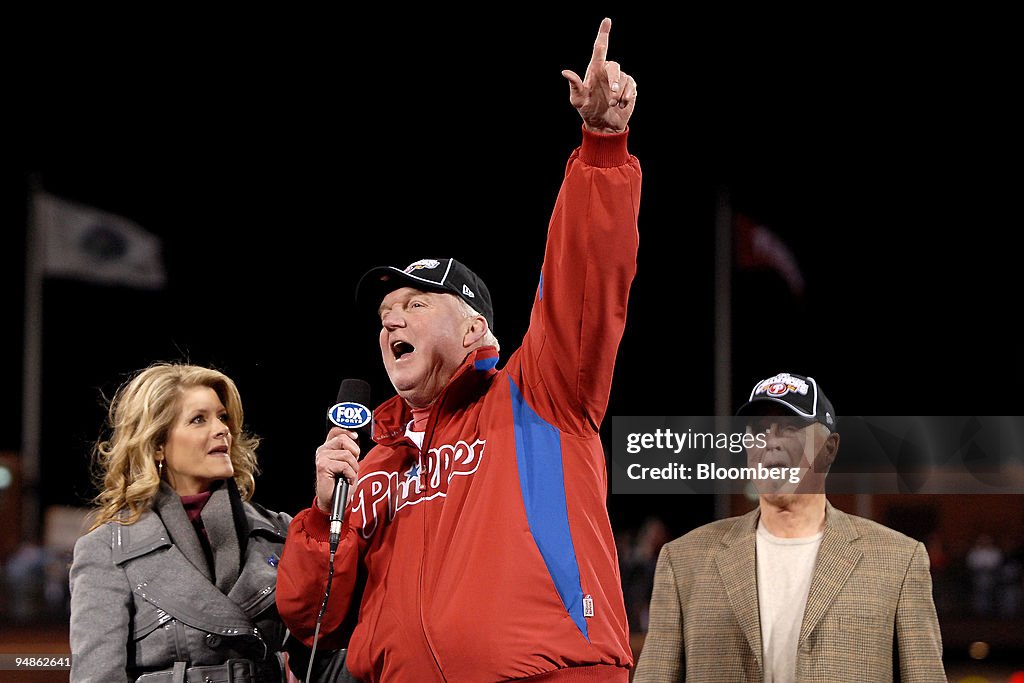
(281, 159)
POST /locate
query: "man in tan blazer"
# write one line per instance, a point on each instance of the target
(795, 590)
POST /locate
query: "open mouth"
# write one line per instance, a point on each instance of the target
(219, 450)
(401, 348)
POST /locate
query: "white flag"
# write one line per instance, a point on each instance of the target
(85, 243)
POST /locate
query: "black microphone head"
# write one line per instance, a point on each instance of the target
(354, 390)
(352, 410)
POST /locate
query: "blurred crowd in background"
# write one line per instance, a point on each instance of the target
(986, 581)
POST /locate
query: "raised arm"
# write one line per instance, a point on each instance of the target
(564, 367)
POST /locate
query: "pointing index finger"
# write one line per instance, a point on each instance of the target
(601, 43)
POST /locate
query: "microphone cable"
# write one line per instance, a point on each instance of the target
(319, 617)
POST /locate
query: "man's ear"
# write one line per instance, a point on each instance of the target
(475, 332)
(829, 449)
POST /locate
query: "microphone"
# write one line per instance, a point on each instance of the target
(350, 412)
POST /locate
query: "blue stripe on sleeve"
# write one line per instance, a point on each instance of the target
(542, 480)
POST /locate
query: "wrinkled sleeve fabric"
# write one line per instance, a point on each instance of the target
(302, 578)
(567, 358)
(918, 638)
(101, 601)
(663, 655)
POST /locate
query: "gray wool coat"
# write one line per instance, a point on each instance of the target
(143, 597)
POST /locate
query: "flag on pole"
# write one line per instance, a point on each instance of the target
(756, 246)
(85, 243)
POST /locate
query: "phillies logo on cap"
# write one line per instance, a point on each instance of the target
(427, 263)
(780, 385)
(779, 389)
(349, 415)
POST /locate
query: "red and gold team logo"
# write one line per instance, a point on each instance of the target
(782, 384)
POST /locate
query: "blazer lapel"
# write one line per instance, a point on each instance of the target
(254, 589)
(171, 583)
(220, 526)
(168, 508)
(738, 571)
(836, 560)
(161, 574)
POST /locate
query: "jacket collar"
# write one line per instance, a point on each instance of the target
(161, 570)
(151, 530)
(736, 561)
(837, 558)
(837, 523)
(469, 381)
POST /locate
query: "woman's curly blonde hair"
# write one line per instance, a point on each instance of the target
(139, 419)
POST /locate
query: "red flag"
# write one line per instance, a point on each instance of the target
(757, 247)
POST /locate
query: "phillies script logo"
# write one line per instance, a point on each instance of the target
(382, 494)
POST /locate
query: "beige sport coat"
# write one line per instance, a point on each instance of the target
(869, 616)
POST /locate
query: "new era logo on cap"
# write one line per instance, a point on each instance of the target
(800, 395)
(434, 275)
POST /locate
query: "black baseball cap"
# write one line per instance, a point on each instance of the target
(435, 275)
(800, 395)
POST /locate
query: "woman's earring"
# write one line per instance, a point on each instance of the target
(160, 468)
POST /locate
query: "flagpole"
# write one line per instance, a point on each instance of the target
(723, 322)
(32, 376)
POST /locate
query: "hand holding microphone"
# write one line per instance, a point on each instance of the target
(337, 459)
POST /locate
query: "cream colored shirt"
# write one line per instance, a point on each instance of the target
(784, 570)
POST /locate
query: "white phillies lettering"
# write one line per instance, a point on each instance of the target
(381, 494)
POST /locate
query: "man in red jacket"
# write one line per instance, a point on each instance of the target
(478, 521)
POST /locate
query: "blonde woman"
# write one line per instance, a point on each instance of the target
(175, 581)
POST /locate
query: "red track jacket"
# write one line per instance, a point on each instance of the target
(488, 555)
